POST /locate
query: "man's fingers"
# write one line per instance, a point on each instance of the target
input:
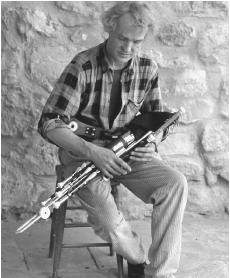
(123, 165)
(146, 149)
(116, 170)
(143, 153)
(150, 152)
(107, 174)
(141, 158)
(116, 167)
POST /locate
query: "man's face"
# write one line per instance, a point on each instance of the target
(125, 41)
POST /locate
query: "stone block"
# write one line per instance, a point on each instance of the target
(10, 33)
(20, 123)
(224, 99)
(211, 178)
(29, 177)
(201, 9)
(192, 169)
(220, 194)
(80, 14)
(177, 144)
(205, 200)
(41, 159)
(8, 127)
(11, 65)
(84, 9)
(35, 20)
(171, 62)
(87, 36)
(176, 34)
(218, 161)
(15, 188)
(198, 109)
(73, 21)
(225, 174)
(213, 44)
(191, 83)
(16, 98)
(215, 136)
(47, 63)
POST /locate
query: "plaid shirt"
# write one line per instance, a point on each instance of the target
(83, 91)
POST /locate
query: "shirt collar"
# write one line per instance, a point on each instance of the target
(103, 60)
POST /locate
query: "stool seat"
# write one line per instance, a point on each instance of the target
(58, 225)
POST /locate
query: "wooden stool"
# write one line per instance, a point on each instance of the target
(57, 231)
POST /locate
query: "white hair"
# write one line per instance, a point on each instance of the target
(140, 11)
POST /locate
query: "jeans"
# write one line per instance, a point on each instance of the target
(154, 183)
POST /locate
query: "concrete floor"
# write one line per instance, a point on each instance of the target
(204, 252)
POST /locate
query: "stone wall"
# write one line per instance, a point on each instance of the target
(190, 45)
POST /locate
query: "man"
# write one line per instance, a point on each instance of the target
(105, 87)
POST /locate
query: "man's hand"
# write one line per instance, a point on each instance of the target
(108, 162)
(144, 154)
(147, 153)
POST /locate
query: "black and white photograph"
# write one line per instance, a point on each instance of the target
(115, 139)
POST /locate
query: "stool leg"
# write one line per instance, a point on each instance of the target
(52, 234)
(120, 266)
(111, 252)
(115, 193)
(59, 227)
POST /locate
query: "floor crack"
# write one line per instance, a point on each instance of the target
(93, 258)
(25, 261)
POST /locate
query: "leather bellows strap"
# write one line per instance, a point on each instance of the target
(90, 132)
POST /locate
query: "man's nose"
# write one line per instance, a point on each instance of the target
(127, 46)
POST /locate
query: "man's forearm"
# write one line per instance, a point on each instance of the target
(67, 140)
(104, 159)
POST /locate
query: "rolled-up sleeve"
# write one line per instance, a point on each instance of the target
(63, 101)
